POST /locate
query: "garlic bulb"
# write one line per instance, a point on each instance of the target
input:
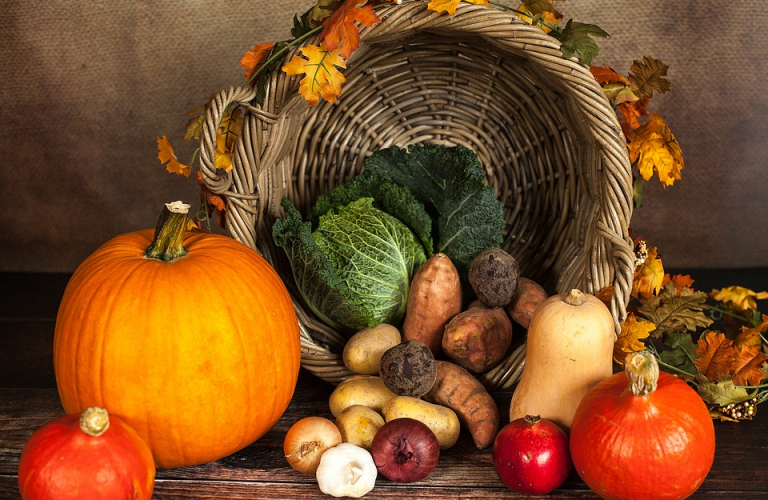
(346, 470)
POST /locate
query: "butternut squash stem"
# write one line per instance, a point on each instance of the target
(642, 369)
(575, 298)
(94, 421)
(168, 243)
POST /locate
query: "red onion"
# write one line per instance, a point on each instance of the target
(405, 450)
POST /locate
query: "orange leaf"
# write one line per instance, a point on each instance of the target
(166, 154)
(648, 276)
(340, 29)
(605, 295)
(679, 281)
(539, 10)
(654, 148)
(254, 59)
(748, 369)
(450, 6)
(717, 356)
(606, 74)
(631, 111)
(322, 78)
(750, 337)
(629, 340)
(740, 297)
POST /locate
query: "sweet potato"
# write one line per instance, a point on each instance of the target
(478, 338)
(528, 297)
(460, 391)
(434, 298)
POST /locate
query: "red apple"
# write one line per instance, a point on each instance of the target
(531, 455)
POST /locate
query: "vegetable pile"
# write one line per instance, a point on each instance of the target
(354, 258)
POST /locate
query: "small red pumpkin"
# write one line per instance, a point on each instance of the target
(642, 434)
(190, 338)
(91, 455)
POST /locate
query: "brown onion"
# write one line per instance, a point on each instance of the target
(306, 441)
(405, 450)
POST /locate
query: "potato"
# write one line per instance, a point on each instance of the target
(408, 369)
(493, 275)
(365, 390)
(363, 351)
(478, 338)
(435, 297)
(527, 298)
(441, 420)
(358, 424)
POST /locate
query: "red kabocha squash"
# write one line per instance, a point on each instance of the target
(642, 434)
(86, 456)
(191, 339)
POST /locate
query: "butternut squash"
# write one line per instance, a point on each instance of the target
(570, 350)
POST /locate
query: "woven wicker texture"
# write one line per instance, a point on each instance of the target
(548, 139)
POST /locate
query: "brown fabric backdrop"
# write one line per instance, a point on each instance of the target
(87, 88)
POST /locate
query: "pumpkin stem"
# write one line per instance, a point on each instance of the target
(168, 244)
(575, 298)
(642, 369)
(94, 421)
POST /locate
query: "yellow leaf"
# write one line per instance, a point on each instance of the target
(654, 148)
(740, 297)
(632, 332)
(322, 78)
(223, 153)
(649, 276)
(450, 6)
(535, 11)
(166, 154)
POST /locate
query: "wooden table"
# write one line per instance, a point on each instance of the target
(28, 399)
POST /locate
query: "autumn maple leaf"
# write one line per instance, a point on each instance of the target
(322, 79)
(534, 11)
(629, 340)
(748, 368)
(740, 297)
(166, 154)
(679, 282)
(717, 356)
(541, 7)
(606, 74)
(648, 276)
(255, 58)
(751, 337)
(632, 111)
(648, 75)
(450, 6)
(340, 30)
(654, 148)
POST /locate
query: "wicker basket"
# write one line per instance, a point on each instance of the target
(547, 137)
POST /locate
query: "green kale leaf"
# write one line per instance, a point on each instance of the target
(452, 185)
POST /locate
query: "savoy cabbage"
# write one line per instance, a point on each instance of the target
(354, 269)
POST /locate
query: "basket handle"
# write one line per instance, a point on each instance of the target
(250, 157)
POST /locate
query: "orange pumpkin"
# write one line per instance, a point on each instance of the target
(194, 343)
(92, 455)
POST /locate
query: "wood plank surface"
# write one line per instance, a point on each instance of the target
(28, 399)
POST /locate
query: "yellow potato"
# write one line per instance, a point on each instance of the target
(358, 424)
(365, 390)
(363, 351)
(441, 420)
